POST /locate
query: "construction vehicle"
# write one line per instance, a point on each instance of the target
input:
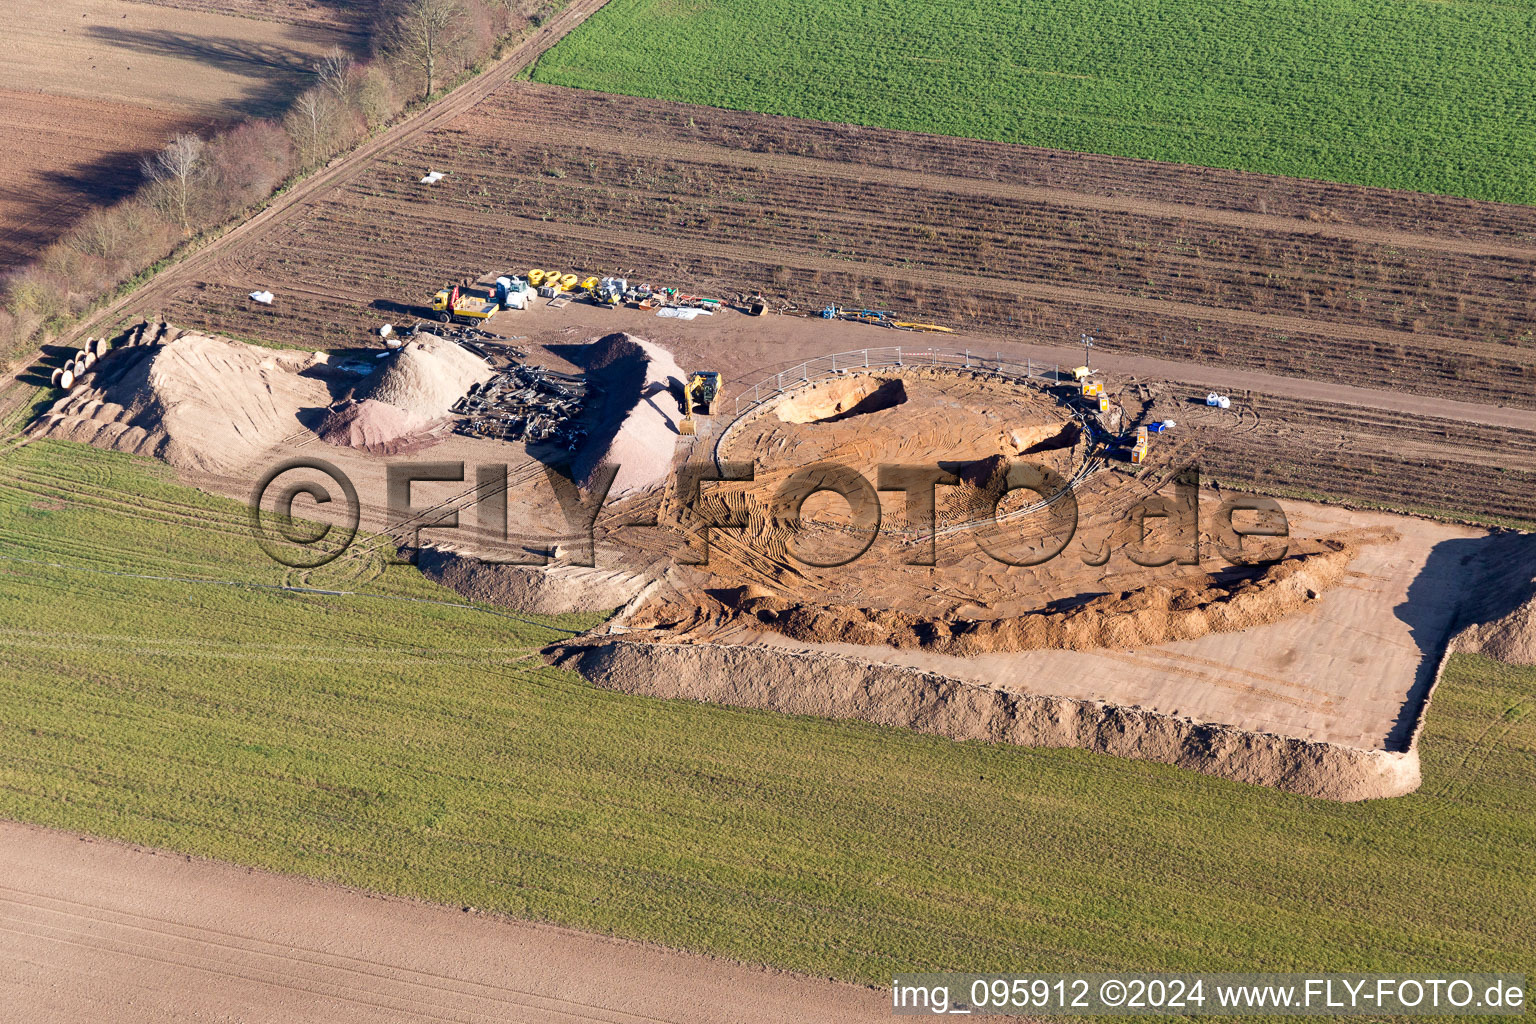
(609, 291)
(513, 293)
(452, 304)
(702, 392)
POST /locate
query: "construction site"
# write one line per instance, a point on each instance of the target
(1068, 580)
(1089, 387)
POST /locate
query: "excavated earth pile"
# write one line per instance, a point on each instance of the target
(1501, 621)
(425, 377)
(377, 427)
(832, 686)
(1149, 615)
(546, 590)
(399, 407)
(635, 425)
(198, 403)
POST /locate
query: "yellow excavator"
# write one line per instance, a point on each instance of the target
(702, 391)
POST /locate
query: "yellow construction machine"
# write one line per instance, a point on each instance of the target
(454, 304)
(702, 392)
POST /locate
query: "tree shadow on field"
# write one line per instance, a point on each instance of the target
(1465, 582)
(48, 202)
(277, 73)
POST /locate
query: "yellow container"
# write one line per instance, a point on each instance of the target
(1092, 389)
(1103, 404)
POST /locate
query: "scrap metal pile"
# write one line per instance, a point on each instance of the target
(526, 403)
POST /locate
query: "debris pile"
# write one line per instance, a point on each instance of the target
(526, 403)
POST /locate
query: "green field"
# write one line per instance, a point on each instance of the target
(1429, 96)
(424, 749)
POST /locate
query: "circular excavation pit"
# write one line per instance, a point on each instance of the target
(968, 425)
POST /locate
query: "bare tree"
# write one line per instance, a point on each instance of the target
(312, 123)
(424, 33)
(334, 72)
(178, 171)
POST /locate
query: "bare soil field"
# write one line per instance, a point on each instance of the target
(88, 86)
(91, 923)
(331, 15)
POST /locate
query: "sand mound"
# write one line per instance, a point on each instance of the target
(1511, 639)
(197, 402)
(636, 425)
(1498, 619)
(1149, 615)
(377, 427)
(548, 590)
(425, 377)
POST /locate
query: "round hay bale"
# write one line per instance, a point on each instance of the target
(57, 373)
(67, 379)
(90, 360)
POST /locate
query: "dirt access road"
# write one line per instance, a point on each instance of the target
(97, 930)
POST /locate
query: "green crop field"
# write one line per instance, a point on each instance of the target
(423, 749)
(1434, 97)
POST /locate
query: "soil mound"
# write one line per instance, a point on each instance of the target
(635, 427)
(546, 590)
(1149, 615)
(1511, 639)
(839, 400)
(425, 377)
(198, 403)
(1500, 621)
(831, 686)
(377, 427)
